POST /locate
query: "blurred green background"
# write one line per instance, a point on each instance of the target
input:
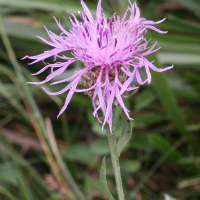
(163, 155)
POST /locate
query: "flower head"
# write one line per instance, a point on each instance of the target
(112, 50)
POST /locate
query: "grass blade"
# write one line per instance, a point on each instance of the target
(8, 194)
(14, 102)
(55, 6)
(24, 190)
(162, 159)
(170, 103)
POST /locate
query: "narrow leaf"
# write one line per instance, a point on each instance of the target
(24, 190)
(125, 135)
(170, 103)
(8, 194)
(193, 5)
(103, 179)
(53, 6)
(130, 96)
(188, 182)
(163, 145)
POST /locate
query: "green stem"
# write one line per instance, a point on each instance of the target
(115, 160)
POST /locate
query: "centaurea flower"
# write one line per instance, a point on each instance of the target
(112, 50)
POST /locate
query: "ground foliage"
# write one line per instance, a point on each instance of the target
(163, 155)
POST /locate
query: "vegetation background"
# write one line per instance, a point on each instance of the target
(42, 157)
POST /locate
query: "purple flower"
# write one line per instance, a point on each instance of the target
(112, 50)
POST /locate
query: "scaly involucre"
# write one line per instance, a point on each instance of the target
(112, 50)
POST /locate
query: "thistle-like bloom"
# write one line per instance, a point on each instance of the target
(112, 50)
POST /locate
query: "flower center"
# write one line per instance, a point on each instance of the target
(90, 78)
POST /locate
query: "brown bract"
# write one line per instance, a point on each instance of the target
(90, 78)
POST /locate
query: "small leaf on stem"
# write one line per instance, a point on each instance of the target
(103, 179)
(125, 135)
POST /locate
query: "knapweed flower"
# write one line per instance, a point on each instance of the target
(112, 52)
